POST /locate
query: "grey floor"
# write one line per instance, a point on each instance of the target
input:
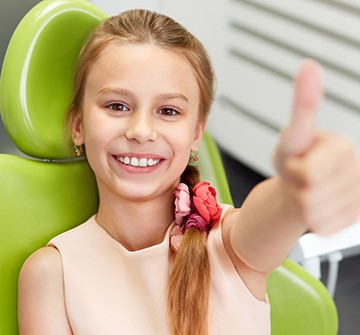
(347, 295)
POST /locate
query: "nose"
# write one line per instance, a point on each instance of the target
(141, 127)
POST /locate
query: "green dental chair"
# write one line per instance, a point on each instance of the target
(49, 190)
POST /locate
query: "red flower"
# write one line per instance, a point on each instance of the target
(204, 200)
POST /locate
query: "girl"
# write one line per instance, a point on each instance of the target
(161, 256)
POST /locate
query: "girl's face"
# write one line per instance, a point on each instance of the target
(139, 120)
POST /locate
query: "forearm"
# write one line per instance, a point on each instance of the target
(267, 226)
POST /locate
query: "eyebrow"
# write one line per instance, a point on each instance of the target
(127, 93)
(121, 91)
(169, 96)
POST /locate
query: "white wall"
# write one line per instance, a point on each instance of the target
(113, 7)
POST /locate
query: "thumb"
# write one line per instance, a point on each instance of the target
(300, 133)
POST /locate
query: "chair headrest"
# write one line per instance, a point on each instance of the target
(36, 84)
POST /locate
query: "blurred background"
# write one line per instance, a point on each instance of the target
(256, 47)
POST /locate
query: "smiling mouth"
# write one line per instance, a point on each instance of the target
(138, 162)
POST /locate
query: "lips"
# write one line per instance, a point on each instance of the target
(137, 161)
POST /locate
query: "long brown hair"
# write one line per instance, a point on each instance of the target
(189, 280)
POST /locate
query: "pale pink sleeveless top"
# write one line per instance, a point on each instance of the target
(110, 290)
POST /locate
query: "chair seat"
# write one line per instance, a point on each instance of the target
(300, 304)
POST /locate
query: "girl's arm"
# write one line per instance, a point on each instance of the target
(317, 189)
(41, 295)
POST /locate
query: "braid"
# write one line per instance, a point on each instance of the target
(190, 176)
(188, 292)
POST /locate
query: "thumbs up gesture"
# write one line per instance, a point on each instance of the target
(320, 170)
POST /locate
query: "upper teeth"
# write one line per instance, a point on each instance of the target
(142, 162)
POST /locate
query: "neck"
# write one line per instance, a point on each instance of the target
(137, 225)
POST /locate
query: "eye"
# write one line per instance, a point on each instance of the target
(118, 107)
(168, 112)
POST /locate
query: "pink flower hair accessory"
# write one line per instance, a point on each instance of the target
(200, 210)
(182, 202)
(195, 220)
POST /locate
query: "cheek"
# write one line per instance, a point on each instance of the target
(183, 136)
(95, 128)
(95, 139)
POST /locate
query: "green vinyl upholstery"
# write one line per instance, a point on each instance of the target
(49, 191)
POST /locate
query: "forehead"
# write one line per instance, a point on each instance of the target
(143, 67)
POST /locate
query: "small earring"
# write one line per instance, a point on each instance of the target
(78, 150)
(194, 156)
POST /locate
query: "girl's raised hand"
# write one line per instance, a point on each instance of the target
(320, 170)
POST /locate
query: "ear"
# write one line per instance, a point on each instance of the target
(199, 132)
(77, 130)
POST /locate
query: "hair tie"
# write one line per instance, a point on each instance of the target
(200, 210)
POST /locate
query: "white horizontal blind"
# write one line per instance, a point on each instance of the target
(266, 41)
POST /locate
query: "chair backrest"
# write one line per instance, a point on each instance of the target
(50, 192)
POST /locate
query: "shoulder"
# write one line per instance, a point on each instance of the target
(41, 286)
(41, 273)
(41, 264)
